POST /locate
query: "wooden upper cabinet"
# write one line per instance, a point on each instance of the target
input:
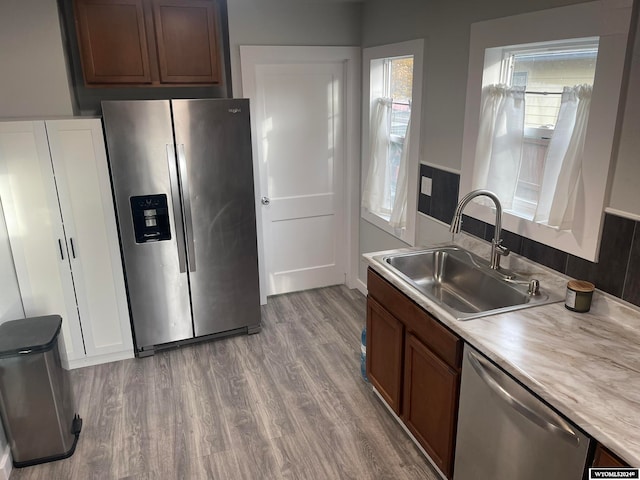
(148, 42)
(187, 41)
(113, 42)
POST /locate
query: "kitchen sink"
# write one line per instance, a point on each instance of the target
(463, 284)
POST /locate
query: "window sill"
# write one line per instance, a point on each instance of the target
(407, 235)
(582, 244)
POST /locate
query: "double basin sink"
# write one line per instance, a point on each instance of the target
(463, 284)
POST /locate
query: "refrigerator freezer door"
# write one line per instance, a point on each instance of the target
(215, 138)
(142, 158)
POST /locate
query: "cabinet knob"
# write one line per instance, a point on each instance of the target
(265, 200)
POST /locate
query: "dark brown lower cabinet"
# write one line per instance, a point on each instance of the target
(430, 402)
(414, 362)
(384, 362)
(604, 458)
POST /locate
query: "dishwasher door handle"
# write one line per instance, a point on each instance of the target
(483, 368)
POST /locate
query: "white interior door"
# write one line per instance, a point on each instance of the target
(299, 99)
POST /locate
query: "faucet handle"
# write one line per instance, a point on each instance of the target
(501, 249)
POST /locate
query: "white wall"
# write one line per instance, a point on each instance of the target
(34, 80)
(289, 22)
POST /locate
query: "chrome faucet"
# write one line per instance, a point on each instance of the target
(497, 249)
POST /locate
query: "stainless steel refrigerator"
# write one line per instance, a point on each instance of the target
(182, 175)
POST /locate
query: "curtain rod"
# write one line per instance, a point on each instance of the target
(543, 93)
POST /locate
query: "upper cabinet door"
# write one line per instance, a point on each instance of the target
(113, 41)
(187, 41)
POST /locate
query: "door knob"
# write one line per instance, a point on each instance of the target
(265, 200)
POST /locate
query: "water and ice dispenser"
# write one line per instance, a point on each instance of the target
(150, 218)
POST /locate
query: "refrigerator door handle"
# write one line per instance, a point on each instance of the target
(177, 210)
(186, 203)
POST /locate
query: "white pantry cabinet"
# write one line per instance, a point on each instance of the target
(56, 193)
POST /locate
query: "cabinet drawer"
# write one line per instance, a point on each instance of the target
(437, 337)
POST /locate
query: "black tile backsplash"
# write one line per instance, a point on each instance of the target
(544, 254)
(631, 292)
(424, 201)
(426, 171)
(424, 204)
(512, 241)
(615, 248)
(617, 272)
(441, 204)
(473, 226)
(444, 195)
(583, 269)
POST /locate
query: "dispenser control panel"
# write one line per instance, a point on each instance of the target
(150, 218)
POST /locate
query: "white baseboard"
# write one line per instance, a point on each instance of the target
(360, 285)
(6, 463)
(98, 359)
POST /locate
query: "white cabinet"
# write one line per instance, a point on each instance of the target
(10, 300)
(56, 193)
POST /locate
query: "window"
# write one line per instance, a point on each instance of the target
(391, 112)
(543, 72)
(538, 53)
(397, 81)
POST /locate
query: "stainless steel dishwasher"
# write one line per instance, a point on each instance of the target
(506, 433)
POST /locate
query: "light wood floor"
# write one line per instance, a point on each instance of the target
(286, 403)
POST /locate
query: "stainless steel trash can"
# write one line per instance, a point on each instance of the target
(36, 401)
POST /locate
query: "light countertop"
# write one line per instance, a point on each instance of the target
(585, 365)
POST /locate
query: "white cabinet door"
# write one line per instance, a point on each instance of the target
(10, 300)
(56, 194)
(84, 191)
(35, 230)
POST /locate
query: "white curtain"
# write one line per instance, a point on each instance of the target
(374, 192)
(500, 139)
(399, 211)
(562, 177)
